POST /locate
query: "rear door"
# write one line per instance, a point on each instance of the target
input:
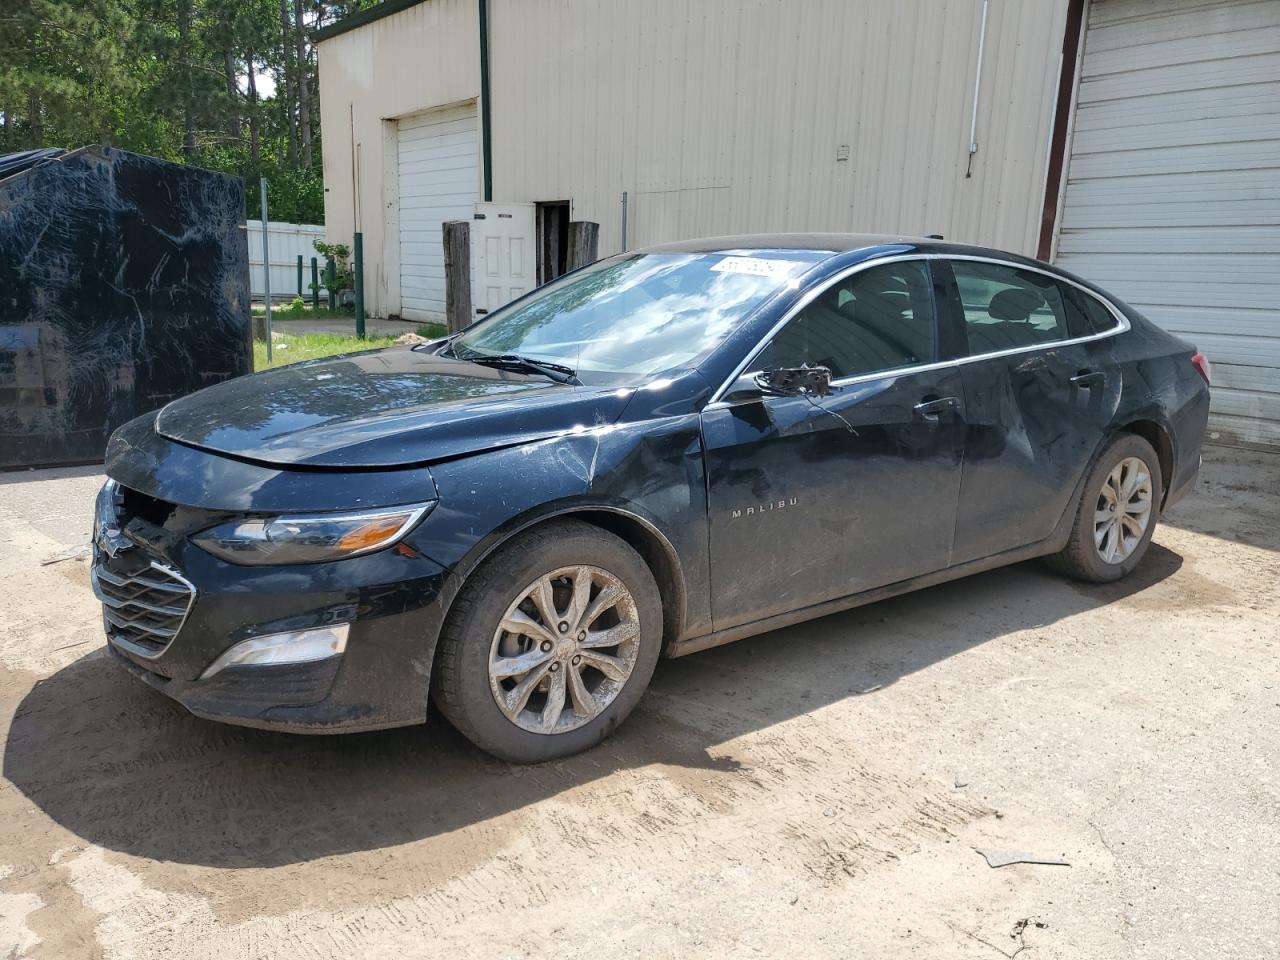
(1039, 396)
(815, 498)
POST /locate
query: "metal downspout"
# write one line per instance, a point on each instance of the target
(486, 143)
(977, 88)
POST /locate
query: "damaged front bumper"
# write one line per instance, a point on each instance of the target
(294, 698)
(376, 677)
(174, 614)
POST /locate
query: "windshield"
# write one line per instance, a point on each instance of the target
(636, 314)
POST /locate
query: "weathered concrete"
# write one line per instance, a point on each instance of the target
(816, 792)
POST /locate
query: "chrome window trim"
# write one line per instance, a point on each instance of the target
(1122, 323)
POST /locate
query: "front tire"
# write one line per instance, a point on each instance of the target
(550, 643)
(1117, 513)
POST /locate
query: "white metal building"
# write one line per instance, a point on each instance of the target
(1139, 140)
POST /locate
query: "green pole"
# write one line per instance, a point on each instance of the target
(358, 265)
(329, 281)
(266, 261)
(486, 140)
(299, 276)
(315, 284)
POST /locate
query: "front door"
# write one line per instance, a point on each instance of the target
(502, 254)
(1036, 406)
(812, 499)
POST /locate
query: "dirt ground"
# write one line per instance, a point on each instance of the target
(816, 792)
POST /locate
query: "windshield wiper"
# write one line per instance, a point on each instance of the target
(512, 361)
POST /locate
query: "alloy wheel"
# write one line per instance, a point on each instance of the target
(564, 649)
(1123, 511)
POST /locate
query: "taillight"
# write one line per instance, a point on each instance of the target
(1201, 363)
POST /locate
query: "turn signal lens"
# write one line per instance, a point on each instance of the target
(1201, 363)
(374, 533)
(309, 539)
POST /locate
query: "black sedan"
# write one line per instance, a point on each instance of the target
(661, 452)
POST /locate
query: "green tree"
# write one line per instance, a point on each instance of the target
(178, 79)
(66, 74)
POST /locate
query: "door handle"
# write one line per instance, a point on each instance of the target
(929, 408)
(1086, 379)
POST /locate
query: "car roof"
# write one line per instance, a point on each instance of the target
(834, 244)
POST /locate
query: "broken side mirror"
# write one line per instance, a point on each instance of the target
(795, 381)
(744, 390)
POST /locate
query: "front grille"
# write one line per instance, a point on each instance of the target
(144, 609)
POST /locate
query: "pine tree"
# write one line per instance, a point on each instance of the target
(226, 84)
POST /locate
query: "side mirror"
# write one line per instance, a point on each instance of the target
(744, 390)
(795, 381)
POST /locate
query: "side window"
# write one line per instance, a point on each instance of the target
(877, 319)
(1088, 315)
(1006, 307)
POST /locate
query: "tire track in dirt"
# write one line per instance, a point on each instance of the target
(791, 794)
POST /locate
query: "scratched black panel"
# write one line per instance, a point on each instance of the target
(124, 283)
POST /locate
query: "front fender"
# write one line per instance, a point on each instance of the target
(651, 473)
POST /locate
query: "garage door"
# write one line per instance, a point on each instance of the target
(439, 171)
(1173, 185)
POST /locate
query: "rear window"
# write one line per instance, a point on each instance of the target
(1087, 314)
(1007, 307)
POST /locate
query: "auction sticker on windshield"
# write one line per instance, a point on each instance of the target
(755, 266)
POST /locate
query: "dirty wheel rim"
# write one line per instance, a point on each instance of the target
(564, 649)
(1123, 510)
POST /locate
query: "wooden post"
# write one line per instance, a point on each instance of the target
(584, 243)
(457, 274)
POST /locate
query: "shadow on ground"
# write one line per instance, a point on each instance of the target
(120, 766)
(36, 474)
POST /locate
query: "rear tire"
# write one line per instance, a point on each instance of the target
(527, 668)
(1116, 515)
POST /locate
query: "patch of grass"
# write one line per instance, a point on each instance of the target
(291, 311)
(292, 347)
(431, 331)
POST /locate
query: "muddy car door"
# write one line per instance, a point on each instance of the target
(815, 497)
(1041, 387)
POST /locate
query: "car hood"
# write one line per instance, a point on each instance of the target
(380, 409)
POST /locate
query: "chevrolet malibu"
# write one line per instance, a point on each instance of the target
(661, 452)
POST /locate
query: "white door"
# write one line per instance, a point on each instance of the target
(439, 169)
(502, 254)
(1173, 186)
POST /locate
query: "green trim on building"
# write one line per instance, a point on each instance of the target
(361, 17)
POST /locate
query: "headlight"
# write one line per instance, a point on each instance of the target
(309, 539)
